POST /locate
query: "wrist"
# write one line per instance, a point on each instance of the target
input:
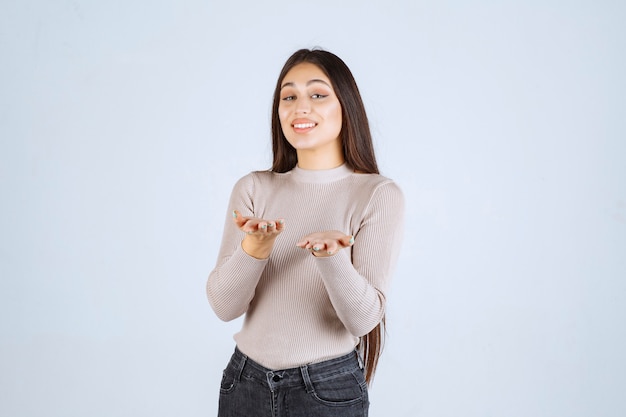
(259, 249)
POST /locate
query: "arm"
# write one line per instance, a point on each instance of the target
(357, 286)
(246, 245)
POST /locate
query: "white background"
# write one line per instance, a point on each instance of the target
(124, 125)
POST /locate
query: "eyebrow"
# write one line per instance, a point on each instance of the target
(315, 80)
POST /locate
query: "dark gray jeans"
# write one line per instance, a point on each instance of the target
(335, 387)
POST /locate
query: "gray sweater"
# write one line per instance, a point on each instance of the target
(299, 308)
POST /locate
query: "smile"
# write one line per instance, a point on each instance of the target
(303, 125)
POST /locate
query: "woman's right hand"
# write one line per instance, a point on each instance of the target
(260, 234)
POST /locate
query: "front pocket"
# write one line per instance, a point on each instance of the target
(228, 381)
(339, 390)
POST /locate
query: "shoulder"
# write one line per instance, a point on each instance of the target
(376, 184)
(257, 179)
(374, 193)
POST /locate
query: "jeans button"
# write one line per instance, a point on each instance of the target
(275, 378)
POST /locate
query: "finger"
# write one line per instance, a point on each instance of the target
(303, 242)
(332, 247)
(250, 226)
(347, 241)
(318, 246)
(238, 218)
(262, 226)
(280, 225)
(271, 227)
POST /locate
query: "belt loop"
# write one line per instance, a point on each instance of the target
(242, 364)
(360, 359)
(304, 370)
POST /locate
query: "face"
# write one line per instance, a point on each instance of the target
(309, 111)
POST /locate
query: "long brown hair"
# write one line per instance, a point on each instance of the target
(357, 146)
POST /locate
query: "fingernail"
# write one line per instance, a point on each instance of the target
(316, 249)
(352, 240)
(281, 221)
(271, 225)
(234, 213)
(329, 252)
(263, 226)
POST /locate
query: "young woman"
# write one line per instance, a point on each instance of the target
(307, 254)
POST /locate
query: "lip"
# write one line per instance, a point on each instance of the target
(303, 125)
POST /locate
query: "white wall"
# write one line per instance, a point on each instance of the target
(124, 124)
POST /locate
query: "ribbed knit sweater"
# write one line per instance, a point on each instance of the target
(302, 309)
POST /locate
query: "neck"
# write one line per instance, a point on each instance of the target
(312, 159)
(312, 162)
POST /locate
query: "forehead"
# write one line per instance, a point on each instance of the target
(303, 73)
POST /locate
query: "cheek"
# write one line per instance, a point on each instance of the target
(282, 114)
(336, 116)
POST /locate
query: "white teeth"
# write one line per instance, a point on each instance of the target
(303, 125)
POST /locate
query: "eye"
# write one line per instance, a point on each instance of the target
(288, 98)
(317, 96)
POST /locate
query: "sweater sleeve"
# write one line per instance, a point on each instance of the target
(357, 287)
(231, 285)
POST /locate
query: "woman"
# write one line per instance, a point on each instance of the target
(307, 254)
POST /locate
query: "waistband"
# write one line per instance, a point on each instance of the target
(303, 375)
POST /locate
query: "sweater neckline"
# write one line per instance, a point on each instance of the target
(320, 176)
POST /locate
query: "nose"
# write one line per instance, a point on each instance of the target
(303, 106)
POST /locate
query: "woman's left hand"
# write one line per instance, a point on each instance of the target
(322, 244)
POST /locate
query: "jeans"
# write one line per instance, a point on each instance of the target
(335, 387)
